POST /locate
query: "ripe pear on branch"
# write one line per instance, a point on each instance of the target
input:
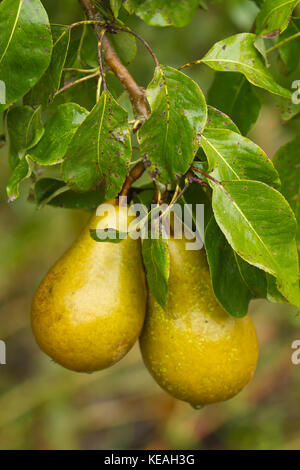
(89, 309)
(194, 349)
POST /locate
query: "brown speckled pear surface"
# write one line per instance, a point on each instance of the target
(195, 350)
(89, 309)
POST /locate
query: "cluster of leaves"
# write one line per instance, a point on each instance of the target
(79, 156)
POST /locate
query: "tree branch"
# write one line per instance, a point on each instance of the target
(136, 93)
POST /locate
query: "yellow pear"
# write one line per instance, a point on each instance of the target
(194, 349)
(89, 309)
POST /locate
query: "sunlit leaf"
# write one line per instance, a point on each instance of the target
(274, 17)
(216, 119)
(43, 92)
(115, 5)
(169, 139)
(234, 157)
(25, 46)
(239, 54)
(167, 13)
(100, 151)
(59, 131)
(261, 227)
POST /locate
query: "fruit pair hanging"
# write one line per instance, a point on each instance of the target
(92, 306)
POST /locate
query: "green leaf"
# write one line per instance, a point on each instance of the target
(289, 52)
(21, 172)
(2, 140)
(110, 235)
(216, 119)
(228, 284)
(260, 45)
(203, 5)
(144, 197)
(45, 188)
(25, 46)
(252, 281)
(130, 5)
(55, 193)
(100, 151)
(259, 2)
(83, 93)
(43, 92)
(239, 54)
(25, 129)
(232, 93)
(83, 201)
(104, 10)
(73, 51)
(115, 87)
(201, 165)
(288, 109)
(273, 294)
(167, 13)
(261, 227)
(169, 139)
(125, 46)
(88, 51)
(194, 195)
(287, 162)
(254, 278)
(115, 6)
(274, 17)
(157, 264)
(59, 131)
(234, 157)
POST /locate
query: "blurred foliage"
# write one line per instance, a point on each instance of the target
(44, 406)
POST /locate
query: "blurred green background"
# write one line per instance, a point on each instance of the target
(43, 406)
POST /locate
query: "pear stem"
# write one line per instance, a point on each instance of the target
(207, 175)
(100, 45)
(179, 194)
(134, 175)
